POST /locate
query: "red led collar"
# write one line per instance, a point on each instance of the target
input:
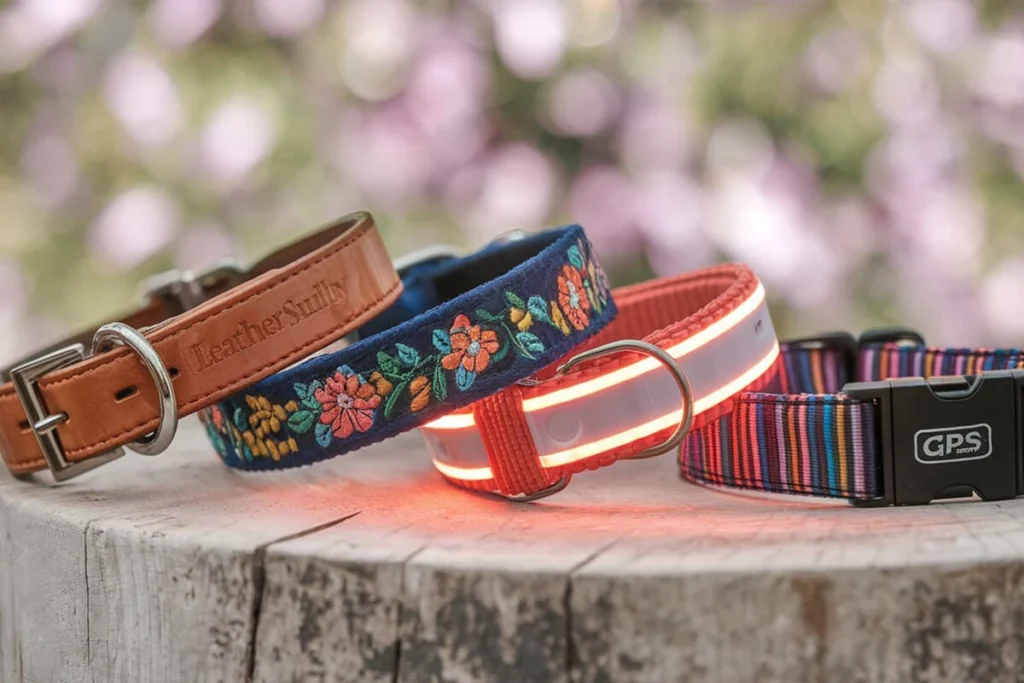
(528, 440)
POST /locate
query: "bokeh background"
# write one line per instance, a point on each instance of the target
(864, 156)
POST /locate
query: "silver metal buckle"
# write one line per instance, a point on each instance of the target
(43, 423)
(187, 288)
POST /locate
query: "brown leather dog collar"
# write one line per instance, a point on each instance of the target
(199, 338)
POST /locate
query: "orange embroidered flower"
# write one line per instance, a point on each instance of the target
(471, 346)
(573, 298)
(419, 389)
(347, 403)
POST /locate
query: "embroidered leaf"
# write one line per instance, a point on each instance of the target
(538, 309)
(301, 421)
(389, 405)
(346, 370)
(592, 296)
(514, 300)
(323, 434)
(575, 257)
(408, 355)
(311, 403)
(464, 378)
(502, 352)
(441, 342)
(440, 383)
(239, 419)
(388, 364)
(484, 315)
(530, 342)
(301, 390)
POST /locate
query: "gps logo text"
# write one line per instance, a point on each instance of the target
(953, 444)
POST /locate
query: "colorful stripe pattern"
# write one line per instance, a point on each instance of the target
(811, 439)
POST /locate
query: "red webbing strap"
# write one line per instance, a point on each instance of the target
(511, 452)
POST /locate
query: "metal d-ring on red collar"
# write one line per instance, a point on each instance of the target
(706, 336)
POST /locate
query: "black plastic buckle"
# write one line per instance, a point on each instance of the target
(948, 437)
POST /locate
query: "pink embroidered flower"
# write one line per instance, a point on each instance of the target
(348, 404)
(573, 298)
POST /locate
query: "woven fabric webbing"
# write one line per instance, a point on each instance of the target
(811, 439)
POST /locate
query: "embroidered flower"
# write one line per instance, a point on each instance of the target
(347, 404)
(471, 346)
(384, 387)
(522, 319)
(419, 389)
(572, 298)
(558, 320)
(265, 421)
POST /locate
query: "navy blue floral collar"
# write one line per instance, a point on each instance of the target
(464, 329)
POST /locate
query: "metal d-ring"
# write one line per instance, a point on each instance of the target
(683, 428)
(119, 333)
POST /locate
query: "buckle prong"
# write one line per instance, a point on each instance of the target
(25, 377)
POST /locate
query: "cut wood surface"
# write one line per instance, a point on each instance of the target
(371, 568)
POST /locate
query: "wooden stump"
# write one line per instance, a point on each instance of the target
(371, 568)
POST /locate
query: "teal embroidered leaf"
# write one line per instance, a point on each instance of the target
(530, 342)
(311, 403)
(240, 420)
(440, 383)
(323, 434)
(388, 364)
(389, 405)
(502, 352)
(407, 355)
(514, 300)
(301, 421)
(301, 390)
(464, 378)
(575, 257)
(538, 309)
(484, 315)
(441, 342)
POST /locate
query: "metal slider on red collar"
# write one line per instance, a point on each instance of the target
(679, 351)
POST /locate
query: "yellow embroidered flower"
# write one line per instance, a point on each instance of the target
(522, 319)
(558, 319)
(384, 387)
(265, 420)
(419, 389)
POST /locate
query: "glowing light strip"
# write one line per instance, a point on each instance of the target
(633, 433)
(683, 348)
(464, 473)
(680, 350)
(622, 438)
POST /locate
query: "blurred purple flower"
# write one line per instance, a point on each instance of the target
(144, 99)
(30, 27)
(237, 137)
(583, 102)
(653, 135)
(669, 210)
(1001, 300)
(530, 35)
(606, 204)
(134, 226)
(287, 19)
(943, 26)
(202, 245)
(385, 153)
(378, 38)
(50, 165)
(513, 189)
(905, 91)
(180, 22)
(836, 58)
